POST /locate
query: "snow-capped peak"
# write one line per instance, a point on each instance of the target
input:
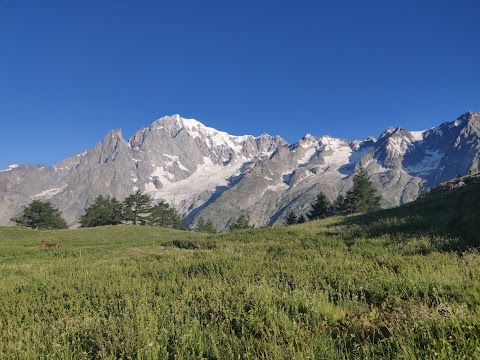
(418, 135)
(309, 137)
(197, 129)
(9, 167)
(194, 127)
(331, 143)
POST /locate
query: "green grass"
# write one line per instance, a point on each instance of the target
(382, 286)
(454, 216)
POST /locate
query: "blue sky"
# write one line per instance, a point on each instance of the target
(72, 70)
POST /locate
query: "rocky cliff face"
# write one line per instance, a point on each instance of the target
(209, 173)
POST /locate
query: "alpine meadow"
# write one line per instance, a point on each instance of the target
(216, 180)
(398, 283)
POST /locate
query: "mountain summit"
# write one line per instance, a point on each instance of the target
(205, 172)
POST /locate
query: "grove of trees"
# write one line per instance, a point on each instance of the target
(136, 209)
(243, 222)
(164, 215)
(104, 211)
(205, 226)
(293, 219)
(362, 197)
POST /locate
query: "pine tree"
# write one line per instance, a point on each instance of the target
(363, 196)
(241, 223)
(162, 214)
(200, 225)
(210, 227)
(291, 218)
(205, 226)
(103, 211)
(41, 215)
(301, 219)
(320, 208)
(338, 206)
(137, 207)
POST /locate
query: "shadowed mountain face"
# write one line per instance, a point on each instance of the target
(209, 173)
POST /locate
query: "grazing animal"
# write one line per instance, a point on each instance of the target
(49, 246)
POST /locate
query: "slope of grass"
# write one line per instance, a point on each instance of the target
(364, 287)
(453, 216)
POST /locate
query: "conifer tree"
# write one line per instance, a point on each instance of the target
(137, 208)
(210, 227)
(205, 226)
(291, 218)
(301, 219)
(103, 211)
(320, 208)
(241, 223)
(162, 214)
(200, 225)
(363, 196)
(41, 215)
(338, 206)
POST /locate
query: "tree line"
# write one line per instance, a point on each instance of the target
(362, 197)
(138, 209)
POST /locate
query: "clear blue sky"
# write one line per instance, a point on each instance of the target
(72, 70)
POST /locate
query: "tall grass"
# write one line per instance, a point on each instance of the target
(450, 216)
(306, 291)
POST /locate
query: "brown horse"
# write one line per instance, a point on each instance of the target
(49, 246)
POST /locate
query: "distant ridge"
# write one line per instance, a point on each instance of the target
(456, 183)
(205, 172)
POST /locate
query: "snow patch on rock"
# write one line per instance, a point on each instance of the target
(418, 135)
(186, 192)
(9, 167)
(49, 193)
(308, 155)
(429, 162)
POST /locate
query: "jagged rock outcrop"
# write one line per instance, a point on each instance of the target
(209, 173)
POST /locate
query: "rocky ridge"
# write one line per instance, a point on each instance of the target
(205, 172)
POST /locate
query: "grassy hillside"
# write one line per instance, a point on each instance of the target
(451, 212)
(365, 287)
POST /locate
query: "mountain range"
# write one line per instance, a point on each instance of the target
(207, 173)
